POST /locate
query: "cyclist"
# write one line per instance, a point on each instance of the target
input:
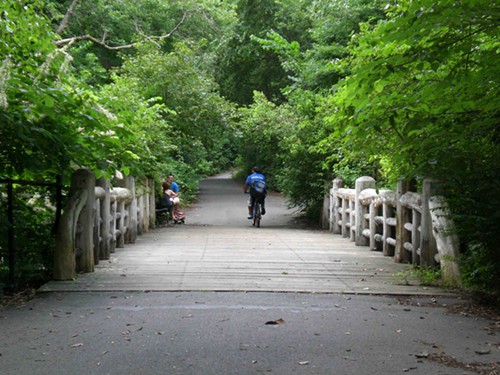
(256, 182)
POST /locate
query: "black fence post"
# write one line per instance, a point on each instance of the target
(10, 237)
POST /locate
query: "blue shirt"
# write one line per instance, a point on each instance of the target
(257, 182)
(174, 187)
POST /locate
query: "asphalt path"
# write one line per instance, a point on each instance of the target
(185, 332)
(223, 203)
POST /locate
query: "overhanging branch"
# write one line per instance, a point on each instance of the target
(102, 42)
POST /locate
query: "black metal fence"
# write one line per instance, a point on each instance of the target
(11, 246)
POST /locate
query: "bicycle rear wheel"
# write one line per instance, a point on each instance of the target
(257, 214)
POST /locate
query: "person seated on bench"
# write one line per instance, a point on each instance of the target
(174, 190)
(166, 200)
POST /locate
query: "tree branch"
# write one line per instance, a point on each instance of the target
(102, 42)
(176, 27)
(68, 14)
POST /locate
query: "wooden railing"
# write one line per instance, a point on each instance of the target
(398, 223)
(409, 226)
(98, 219)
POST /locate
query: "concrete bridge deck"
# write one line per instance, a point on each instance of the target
(219, 250)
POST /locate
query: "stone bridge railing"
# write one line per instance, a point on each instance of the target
(409, 226)
(98, 219)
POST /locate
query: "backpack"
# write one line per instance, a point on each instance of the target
(259, 186)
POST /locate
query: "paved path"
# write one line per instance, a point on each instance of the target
(219, 250)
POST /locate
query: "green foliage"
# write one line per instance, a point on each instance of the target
(423, 99)
(334, 23)
(56, 121)
(428, 275)
(199, 130)
(121, 24)
(50, 121)
(416, 94)
(479, 270)
(308, 160)
(329, 88)
(88, 68)
(310, 50)
(243, 66)
(422, 275)
(303, 177)
(263, 126)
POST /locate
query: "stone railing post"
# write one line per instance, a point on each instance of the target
(352, 216)
(345, 216)
(388, 204)
(147, 207)
(85, 179)
(369, 199)
(122, 198)
(447, 241)
(402, 217)
(131, 233)
(415, 236)
(428, 249)
(335, 219)
(152, 203)
(121, 216)
(141, 207)
(112, 223)
(98, 219)
(326, 212)
(67, 230)
(360, 210)
(411, 202)
(105, 248)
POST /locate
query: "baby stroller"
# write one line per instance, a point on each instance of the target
(179, 217)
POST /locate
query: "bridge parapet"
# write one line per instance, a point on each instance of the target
(398, 223)
(98, 219)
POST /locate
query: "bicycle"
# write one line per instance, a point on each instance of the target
(257, 213)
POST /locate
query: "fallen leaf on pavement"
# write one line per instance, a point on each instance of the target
(274, 322)
(422, 355)
(483, 351)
